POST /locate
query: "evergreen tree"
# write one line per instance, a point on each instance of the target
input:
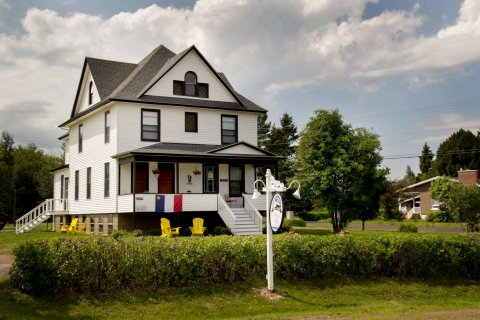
(409, 177)
(263, 130)
(426, 161)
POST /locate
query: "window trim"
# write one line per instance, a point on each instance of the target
(77, 184)
(197, 87)
(141, 124)
(107, 128)
(236, 127)
(106, 180)
(196, 121)
(80, 137)
(89, 183)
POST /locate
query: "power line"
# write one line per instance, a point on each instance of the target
(454, 152)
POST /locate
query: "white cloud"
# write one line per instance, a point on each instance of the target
(451, 122)
(265, 47)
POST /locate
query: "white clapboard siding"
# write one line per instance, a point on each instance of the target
(57, 183)
(95, 154)
(125, 203)
(125, 178)
(196, 184)
(82, 102)
(191, 62)
(249, 178)
(172, 126)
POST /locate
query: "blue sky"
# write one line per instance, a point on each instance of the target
(408, 70)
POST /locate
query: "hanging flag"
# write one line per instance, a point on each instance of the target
(168, 203)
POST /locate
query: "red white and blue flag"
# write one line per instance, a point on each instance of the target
(168, 203)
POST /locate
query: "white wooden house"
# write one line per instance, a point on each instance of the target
(168, 136)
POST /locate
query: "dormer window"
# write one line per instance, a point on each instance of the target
(90, 92)
(190, 86)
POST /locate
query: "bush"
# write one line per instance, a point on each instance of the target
(287, 224)
(415, 217)
(218, 231)
(91, 265)
(439, 216)
(407, 227)
(116, 234)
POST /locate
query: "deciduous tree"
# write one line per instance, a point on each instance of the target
(338, 165)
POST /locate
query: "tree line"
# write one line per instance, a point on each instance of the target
(25, 178)
(339, 166)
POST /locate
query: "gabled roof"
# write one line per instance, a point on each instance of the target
(120, 81)
(197, 150)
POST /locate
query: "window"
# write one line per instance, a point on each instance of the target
(150, 125)
(90, 92)
(191, 122)
(89, 182)
(107, 127)
(80, 137)
(229, 129)
(106, 182)
(77, 177)
(61, 186)
(190, 86)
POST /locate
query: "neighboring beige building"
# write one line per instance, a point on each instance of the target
(421, 202)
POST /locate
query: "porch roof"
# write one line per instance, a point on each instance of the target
(210, 151)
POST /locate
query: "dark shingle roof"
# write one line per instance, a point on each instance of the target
(108, 75)
(119, 81)
(205, 150)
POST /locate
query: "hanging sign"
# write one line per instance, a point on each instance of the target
(276, 212)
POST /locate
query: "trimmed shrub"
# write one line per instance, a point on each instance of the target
(407, 227)
(91, 265)
(116, 234)
(287, 224)
(439, 216)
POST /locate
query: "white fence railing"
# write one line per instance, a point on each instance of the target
(225, 213)
(39, 214)
(252, 211)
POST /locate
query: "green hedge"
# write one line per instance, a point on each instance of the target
(314, 215)
(90, 265)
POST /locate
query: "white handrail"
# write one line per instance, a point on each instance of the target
(252, 211)
(226, 213)
(40, 213)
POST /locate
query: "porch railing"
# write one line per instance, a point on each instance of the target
(252, 211)
(39, 214)
(226, 213)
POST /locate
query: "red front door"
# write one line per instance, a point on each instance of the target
(166, 177)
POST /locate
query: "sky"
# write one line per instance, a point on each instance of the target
(407, 70)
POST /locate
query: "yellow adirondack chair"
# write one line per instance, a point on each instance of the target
(198, 229)
(82, 227)
(167, 230)
(70, 228)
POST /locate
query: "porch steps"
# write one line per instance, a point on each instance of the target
(244, 225)
(39, 214)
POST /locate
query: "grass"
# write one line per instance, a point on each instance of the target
(376, 299)
(8, 237)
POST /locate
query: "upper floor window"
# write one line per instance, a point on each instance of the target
(80, 137)
(190, 86)
(150, 125)
(89, 182)
(90, 92)
(229, 129)
(107, 127)
(77, 178)
(191, 122)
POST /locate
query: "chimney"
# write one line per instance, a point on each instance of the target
(468, 177)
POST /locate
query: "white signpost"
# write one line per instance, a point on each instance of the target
(274, 214)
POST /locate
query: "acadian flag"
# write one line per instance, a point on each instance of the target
(168, 202)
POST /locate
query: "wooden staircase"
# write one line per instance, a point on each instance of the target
(39, 214)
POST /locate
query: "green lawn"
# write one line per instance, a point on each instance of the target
(419, 223)
(378, 299)
(8, 237)
(330, 299)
